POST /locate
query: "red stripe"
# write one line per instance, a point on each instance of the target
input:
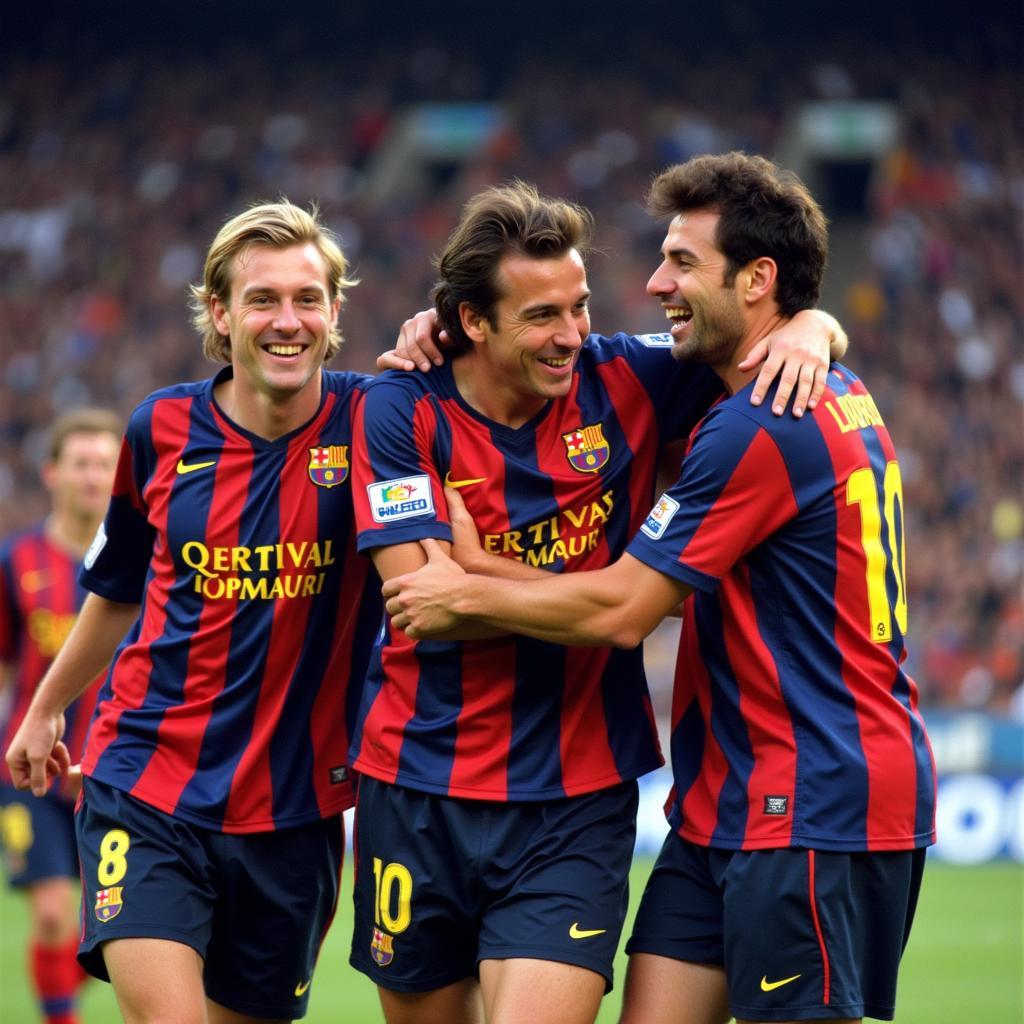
(636, 420)
(252, 794)
(180, 736)
(826, 967)
(868, 668)
(424, 430)
(130, 677)
(392, 709)
(744, 512)
(700, 802)
(474, 457)
(584, 502)
(763, 710)
(587, 756)
(327, 728)
(583, 499)
(483, 736)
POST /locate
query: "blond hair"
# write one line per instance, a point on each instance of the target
(278, 226)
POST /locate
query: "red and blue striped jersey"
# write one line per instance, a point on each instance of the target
(39, 602)
(516, 718)
(794, 722)
(230, 702)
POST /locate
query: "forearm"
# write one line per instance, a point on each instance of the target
(481, 563)
(585, 609)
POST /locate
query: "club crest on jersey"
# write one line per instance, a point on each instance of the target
(328, 466)
(381, 949)
(108, 902)
(586, 448)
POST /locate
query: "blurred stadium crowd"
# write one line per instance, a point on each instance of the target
(115, 173)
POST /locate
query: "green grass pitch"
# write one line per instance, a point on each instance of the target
(965, 961)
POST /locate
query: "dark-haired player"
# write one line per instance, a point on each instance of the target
(804, 783)
(497, 800)
(39, 600)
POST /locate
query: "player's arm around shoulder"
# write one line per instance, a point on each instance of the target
(616, 606)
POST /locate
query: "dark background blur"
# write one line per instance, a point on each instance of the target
(128, 137)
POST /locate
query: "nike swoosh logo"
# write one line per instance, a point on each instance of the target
(576, 932)
(300, 989)
(456, 484)
(768, 986)
(182, 468)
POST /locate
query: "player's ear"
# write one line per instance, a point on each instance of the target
(472, 322)
(759, 277)
(219, 314)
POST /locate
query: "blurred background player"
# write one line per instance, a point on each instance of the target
(39, 600)
(210, 831)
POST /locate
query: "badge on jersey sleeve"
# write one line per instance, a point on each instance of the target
(328, 466)
(586, 448)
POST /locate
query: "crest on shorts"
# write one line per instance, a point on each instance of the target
(328, 466)
(586, 448)
(108, 902)
(381, 949)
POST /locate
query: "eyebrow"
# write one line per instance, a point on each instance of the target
(542, 306)
(681, 251)
(310, 287)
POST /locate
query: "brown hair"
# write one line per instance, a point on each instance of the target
(84, 420)
(277, 225)
(503, 219)
(763, 211)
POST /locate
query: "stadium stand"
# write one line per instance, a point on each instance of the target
(114, 169)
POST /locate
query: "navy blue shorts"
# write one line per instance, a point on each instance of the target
(444, 883)
(803, 934)
(255, 907)
(38, 837)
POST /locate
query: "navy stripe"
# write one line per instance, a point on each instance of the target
(536, 751)
(428, 742)
(727, 724)
(797, 571)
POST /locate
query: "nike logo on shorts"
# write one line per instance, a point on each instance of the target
(770, 986)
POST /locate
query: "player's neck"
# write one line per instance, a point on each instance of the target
(71, 533)
(265, 415)
(491, 395)
(761, 326)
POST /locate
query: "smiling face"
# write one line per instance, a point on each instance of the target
(526, 356)
(277, 319)
(706, 313)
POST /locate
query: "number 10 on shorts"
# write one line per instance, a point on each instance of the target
(388, 878)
